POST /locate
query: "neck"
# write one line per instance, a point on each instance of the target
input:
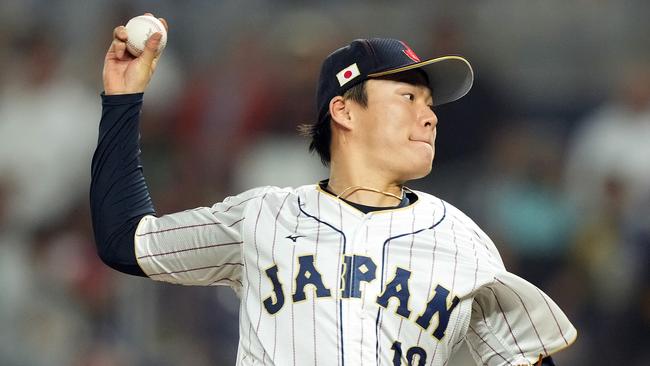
(363, 187)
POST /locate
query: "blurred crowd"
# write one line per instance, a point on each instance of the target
(549, 153)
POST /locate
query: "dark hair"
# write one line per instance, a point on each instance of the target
(321, 131)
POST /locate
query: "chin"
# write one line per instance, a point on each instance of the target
(423, 152)
(424, 164)
(423, 173)
(421, 170)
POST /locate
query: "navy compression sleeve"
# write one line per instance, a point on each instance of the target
(547, 361)
(119, 196)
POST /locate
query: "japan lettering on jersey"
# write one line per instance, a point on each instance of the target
(321, 283)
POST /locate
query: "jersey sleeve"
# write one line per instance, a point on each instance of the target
(202, 246)
(514, 323)
(493, 257)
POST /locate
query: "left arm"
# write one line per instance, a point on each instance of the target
(514, 322)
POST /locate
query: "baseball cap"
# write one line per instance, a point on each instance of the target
(450, 77)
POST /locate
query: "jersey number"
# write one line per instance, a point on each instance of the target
(410, 354)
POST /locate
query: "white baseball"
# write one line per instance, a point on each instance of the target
(139, 29)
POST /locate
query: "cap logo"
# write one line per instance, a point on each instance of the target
(344, 76)
(409, 52)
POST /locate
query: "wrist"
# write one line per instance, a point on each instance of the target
(118, 99)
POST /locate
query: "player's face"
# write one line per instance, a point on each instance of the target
(398, 127)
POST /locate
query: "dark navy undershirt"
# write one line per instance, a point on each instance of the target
(119, 196)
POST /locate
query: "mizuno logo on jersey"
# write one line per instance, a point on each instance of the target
(355, 270)
(294, 237)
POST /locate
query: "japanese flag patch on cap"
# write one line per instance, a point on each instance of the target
(348, 74)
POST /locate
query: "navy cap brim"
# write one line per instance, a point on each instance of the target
(450, 77)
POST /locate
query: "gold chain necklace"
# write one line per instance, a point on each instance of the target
(364, 188)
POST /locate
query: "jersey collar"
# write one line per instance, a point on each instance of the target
(409, 198)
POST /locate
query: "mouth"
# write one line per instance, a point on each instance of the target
(424, 141)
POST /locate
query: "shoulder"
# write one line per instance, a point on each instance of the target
(460, 221)
(451, 212)
(269, 194)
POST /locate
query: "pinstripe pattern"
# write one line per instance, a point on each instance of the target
(453, 277)
(505, 318)
(363, 305)
(401, 321)
(487, 344)
(313, 299)
(340, 345)
(275, 230)
(255, 245)
(342, 243)
(437, 250)
(453, 286)
(193, 269)
(433, 264)
(378, 322)
(532, 323)
(293, 321)
(554, 317)
(385, 245)
(476, 269)
(293, 325)
(177, 251)
(179, 228)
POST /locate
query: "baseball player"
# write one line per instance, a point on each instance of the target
(354, 270)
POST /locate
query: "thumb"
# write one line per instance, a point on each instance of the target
(151, 48)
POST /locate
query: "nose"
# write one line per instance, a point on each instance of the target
(428, 117)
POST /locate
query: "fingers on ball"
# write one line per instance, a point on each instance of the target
(153, 42)
(119, 48)
(120, 33)
(164, 22)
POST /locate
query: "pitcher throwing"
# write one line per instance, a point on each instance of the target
(356, 269)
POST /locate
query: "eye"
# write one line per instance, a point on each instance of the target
(409, 96)
(432, 107)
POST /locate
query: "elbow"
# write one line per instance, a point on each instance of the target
(119, 257)
(106, 253)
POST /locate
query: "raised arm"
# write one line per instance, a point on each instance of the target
(119, 196)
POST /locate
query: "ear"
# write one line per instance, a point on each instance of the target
(339, 110)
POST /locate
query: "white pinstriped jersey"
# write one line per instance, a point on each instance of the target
(321, 283)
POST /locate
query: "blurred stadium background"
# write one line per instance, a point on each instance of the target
(549, 153)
